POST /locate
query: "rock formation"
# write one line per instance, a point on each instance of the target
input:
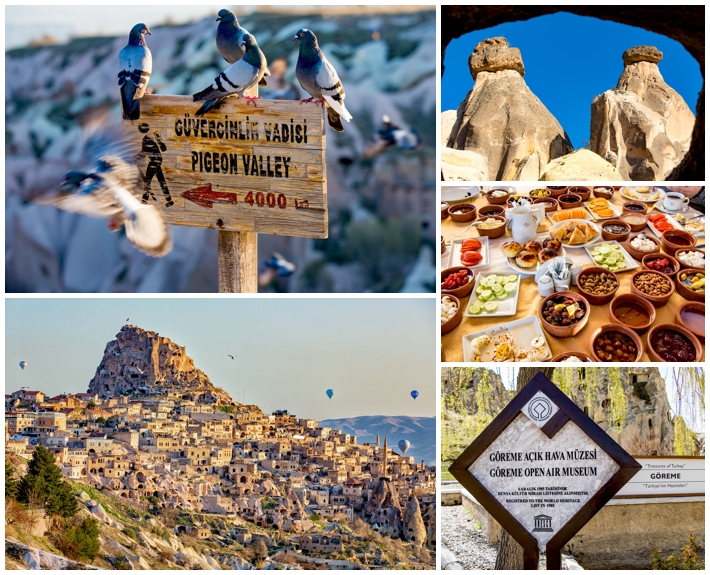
(644, 121)
(580, 166)
(414, 530)
(143, 362)
(511, 133)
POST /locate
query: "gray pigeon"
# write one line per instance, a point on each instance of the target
(230, 39)
(230, 36)
(318, 77)
(135, 64)
(110, 192)
(239, 77)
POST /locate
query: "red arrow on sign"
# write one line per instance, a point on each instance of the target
(205, 197)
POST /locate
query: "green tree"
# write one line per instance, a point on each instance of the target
(80, 539)
(43, 486)
(10, 481)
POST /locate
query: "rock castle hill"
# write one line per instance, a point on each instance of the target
(153, 432)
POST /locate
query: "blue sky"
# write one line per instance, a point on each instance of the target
(371, 352)
(568, 61)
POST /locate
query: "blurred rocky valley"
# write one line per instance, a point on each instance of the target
(62, 110)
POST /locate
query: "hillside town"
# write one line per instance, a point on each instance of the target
(153, 431)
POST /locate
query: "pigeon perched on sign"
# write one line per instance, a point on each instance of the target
(390, 134)
(239, 77)
(110, 192)
(230, 39)
(318, 77)
(135, 65)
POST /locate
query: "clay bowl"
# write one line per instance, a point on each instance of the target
(592, 298)
(493, 232)
(567, 201)
(698, 308)
(551, 204)
(642, 208)
(694, 341)
(451, 323)
(685, 266)
(581, 191)
(602, 192)
(670, 238)
(630, 217)
(444, 210)
(443, 245)
(462, 291)
(671, 261)
(657, 301)
(616, 328)
(540, 193)
(556, 191)
(489, 211)
(583, 356)
(643, 302)
(686, 292)
(462, 212)
(611, 235)
(500, 200)
(564, 331)
(638, 254)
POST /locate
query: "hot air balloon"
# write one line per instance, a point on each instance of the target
(414, 394)
(403, 445)
(329, 393)
(23, 364)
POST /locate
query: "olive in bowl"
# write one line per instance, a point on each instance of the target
(564, 314)
(614, 342)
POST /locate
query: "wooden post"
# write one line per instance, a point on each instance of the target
(238, 254)
(238, 262)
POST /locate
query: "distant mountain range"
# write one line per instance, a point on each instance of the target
(419, 431)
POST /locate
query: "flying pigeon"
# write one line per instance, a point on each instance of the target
(230, 355)
(135, 64)
(318, 77)
(110, 192)
(390, 134)
(239, 77)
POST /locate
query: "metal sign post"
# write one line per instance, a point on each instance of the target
(543, 469)
(240, 169)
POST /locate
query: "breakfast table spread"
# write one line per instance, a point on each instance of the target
(512, 293)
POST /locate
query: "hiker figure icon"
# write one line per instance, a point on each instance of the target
(152, 147)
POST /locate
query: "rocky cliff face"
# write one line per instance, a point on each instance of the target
(504, 130)
(644, 124)
(414, 530)
(143, 362)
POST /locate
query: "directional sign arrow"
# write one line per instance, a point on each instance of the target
(205, 197)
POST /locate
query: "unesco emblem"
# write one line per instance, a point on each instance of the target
(540, 409)
(543, 523)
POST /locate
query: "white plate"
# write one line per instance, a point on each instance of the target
(507, 306)
(697, 234)
(648, 197)
(455, 253)
(612, 207)
(671, 221)
(631, 263)
(587, 217)
(589, 243)
(533, 270)
(522, 331)
(453, 194)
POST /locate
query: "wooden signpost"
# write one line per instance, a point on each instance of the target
(543, 469)
(241, 169)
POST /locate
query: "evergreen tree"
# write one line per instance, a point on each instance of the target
(44, 486)
(10, 481)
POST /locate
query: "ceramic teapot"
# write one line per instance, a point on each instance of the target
(522, 222)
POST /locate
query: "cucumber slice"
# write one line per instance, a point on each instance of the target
(604, 249)
(486, 294)
(492, 278)
(511, 279)
(490, 306)
(502, 295)
(475, 308)
(479, 289)
(510, 288)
